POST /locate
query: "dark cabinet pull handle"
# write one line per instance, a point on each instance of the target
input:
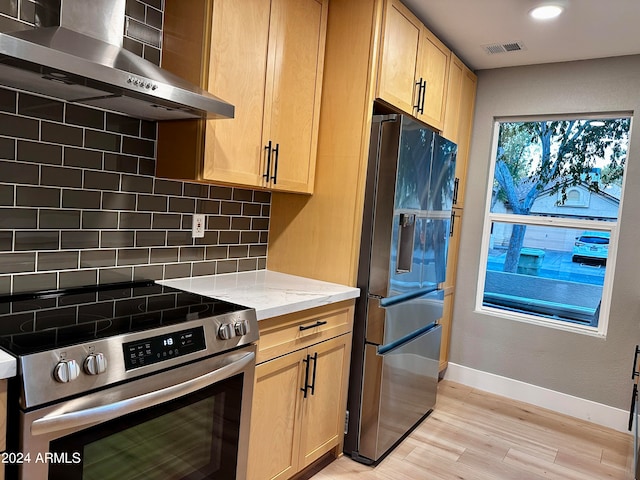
(456, 184)
(306, 376)
(423, 93)
(635, 372)
(268, 169)
(317, 324)
(313, 377)
(419, 85)
(276, 152)
(453, 222)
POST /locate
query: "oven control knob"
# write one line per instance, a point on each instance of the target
(242, 327)
(66, 371)
(95, 364)
(226, 331)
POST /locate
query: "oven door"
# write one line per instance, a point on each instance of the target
(191, 422)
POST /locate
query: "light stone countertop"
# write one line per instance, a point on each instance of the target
(7, 365)
(270, 293)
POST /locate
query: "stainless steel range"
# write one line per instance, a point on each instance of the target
(128, 381)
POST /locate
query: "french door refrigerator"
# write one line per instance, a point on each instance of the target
(396, 350)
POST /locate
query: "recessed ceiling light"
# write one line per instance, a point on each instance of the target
(546, 11)
(596, 123)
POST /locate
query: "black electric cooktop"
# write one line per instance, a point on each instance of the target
(40, 321)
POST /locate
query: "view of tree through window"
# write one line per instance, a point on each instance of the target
(552, 218)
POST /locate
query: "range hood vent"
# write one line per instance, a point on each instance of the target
(82, 61)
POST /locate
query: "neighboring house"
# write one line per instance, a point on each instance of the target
(580, 203)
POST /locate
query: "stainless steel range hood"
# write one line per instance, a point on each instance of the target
(82, 61)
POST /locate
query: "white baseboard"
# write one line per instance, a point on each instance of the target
(588, 410)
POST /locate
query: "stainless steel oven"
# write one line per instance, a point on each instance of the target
(160, 388)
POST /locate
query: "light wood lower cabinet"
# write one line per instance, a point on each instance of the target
(299, 400)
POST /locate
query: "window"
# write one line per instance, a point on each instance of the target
(548, 249)
(575, 197)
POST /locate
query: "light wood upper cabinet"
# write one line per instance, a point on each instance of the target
(265, 58)
(413, 66)
(398, 66)
(461, 97)
(238, 71)
(434, 72)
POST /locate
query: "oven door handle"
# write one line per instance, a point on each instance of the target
(103, 413)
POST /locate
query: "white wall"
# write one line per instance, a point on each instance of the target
(583, 366)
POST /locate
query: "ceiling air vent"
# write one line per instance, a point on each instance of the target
(504, 47)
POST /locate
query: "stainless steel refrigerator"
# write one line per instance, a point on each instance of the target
(396, 349)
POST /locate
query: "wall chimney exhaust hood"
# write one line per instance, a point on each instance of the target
(82, 61)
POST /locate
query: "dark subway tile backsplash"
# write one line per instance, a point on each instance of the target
(74, 211)
(39, 152)
(40, 107)
(37, 240)
(6, 243)
(6, 194)
(37, 197)
(15, 126)
(103, 141)
(79, 202)
(84, 117)
(55, 219)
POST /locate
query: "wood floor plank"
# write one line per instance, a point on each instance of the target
(474, 435)
(588, 465)
(496, 470)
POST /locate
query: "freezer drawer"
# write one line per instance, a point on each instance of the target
(389, 321)
(399, 390)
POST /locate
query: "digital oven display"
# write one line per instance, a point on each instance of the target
(163, 347)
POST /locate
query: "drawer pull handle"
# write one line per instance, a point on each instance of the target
(317, 324)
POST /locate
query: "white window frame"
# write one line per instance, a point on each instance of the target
(605, 226)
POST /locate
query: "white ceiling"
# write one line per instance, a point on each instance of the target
(586, 29)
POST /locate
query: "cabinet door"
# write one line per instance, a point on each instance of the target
(237, 74)
(452, 107)
(465, 125)
(274, 438)
(434, 71)
(453, 247)
(324, 408)
(294, 81)
(399, 57)
(461, 94)
(447, 318)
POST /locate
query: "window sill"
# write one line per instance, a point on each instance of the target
(543, 322)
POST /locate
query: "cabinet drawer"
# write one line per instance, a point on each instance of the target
(287, 333)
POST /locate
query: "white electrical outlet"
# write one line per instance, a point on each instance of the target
(197, 229)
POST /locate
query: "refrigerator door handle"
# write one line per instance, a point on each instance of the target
(383, 349)
(403, 297)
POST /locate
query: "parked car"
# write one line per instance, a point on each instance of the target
(591, 245)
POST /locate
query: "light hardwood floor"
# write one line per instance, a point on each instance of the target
(474, 435)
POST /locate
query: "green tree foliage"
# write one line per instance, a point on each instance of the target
(536, 156)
